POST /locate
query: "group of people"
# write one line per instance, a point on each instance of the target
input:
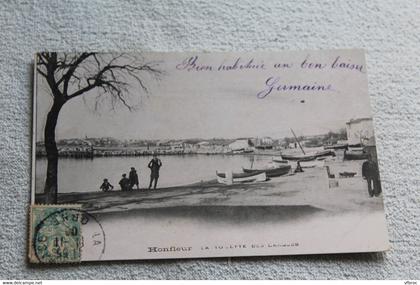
(132, 181)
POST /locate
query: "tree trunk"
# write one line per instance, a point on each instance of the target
(51, 185)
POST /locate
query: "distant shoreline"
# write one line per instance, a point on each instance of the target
(127, 153)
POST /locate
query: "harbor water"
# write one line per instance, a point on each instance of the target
(86, 175)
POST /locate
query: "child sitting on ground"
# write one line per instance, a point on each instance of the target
(106, 186)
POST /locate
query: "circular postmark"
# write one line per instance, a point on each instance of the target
(93, 237)
(65, 235)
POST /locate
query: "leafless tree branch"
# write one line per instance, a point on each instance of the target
(70, 76)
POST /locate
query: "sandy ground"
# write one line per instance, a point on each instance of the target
(217, 220)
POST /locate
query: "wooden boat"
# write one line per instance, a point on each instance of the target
(279, 160)
(257, 176)
(336, 146)
(346, 174)
(318, 162)
(270, 172)
(355, 155)
(308, 157)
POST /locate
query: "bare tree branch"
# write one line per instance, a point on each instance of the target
(67, 76)
(41, 72)
(70, 76)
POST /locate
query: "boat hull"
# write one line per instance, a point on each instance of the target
(274, 172)
(280, 160)
(308, 157)
(241, 177)
(336, 146)
(355, 155)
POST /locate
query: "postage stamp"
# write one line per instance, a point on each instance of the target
(55, 234)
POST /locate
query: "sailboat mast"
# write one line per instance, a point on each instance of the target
(297, 141)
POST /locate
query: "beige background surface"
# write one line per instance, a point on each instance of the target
(388, 30)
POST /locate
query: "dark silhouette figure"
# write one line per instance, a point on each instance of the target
(154, 165)
(124, 183)
(134, 178)
(298, 167)
(106, 186)
(370, 172)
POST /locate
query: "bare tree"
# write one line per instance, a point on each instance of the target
(70, 76)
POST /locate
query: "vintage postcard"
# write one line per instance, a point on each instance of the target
(183, 155)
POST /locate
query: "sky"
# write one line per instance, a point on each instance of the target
(187, 103)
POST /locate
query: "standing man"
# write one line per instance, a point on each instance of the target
(134, 178)
(370, 172)
(154, 165)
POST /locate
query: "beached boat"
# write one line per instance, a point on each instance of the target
(308, 156)
(270, 172)
(317, 162)
(279, 160)
(257, 176)
(336, 146)
(355, 155)
(347, 174)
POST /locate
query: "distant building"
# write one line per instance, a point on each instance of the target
(161, 143)
(264, 143)
(239, 145)
(203, 144)
(360, 131)
(177, 146)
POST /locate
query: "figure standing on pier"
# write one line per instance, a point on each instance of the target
(370, 172)
(154, 165)
(106, 186)
(124, 183)
(134, 178)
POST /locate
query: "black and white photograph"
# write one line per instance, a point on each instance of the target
(210, 154)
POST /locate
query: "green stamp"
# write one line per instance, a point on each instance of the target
(55, 234)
